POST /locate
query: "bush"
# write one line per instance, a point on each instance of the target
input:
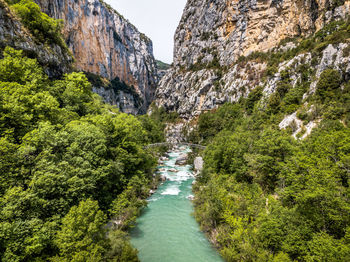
(44, 28)
(328, 84)
(274, 103)
(271, 70)
(293, 99)
(161, 115)
(253, 97)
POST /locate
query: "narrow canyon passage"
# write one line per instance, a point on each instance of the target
(166, 231)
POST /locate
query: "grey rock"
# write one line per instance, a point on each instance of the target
(103, 42)
(219, 32)
(174, 134)
(191, 197)
(55, 60)
(182, 159)
(198, 163)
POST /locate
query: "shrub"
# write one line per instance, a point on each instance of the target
(302, 114)
(271, 70)
(329, 82)
(292, 99)
(274, 102)
(253, 97)
(44, 28)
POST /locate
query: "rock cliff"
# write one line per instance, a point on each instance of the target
(219, 45)
(104, 43)
(55, 59)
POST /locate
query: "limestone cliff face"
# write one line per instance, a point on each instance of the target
(214, 34)
(228, 29)
(106, 44)
(55, 60)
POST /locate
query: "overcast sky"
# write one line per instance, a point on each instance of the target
(158, 19)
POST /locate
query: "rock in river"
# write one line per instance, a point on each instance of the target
(181, 160)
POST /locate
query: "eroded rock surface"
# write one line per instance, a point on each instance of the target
(103, 42)
(55, 60)
(227, 29)
(212, 35)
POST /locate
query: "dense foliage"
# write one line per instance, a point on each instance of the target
(68, 164)
(265, 196)
(162, 115)
(44, 28)
(116, 85)
(162, 66)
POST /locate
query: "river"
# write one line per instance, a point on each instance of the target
(166, 231)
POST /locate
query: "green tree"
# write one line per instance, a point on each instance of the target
(121, 249)
(82, 235)
(328, 85)
(60, 145)
(42, 27)
(14, 67)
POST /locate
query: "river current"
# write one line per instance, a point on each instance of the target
(166, 231)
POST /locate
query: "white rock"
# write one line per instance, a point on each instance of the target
(198, 163)
(191, 197)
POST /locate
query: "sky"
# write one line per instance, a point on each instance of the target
(158, 19)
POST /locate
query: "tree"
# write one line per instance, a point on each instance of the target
(121, 250)
(82, 235)
(325, 248)
(328, 84)
(42, 27)
(14, 67)
(65, 156)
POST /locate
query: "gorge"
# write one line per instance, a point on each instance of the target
(262, 85)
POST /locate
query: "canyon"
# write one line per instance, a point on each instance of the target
(214, 38)
(249, 83)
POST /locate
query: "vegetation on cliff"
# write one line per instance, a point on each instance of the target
(68, 163)
(116, 85)
(44, 28)
(162, 66)
(265, 196)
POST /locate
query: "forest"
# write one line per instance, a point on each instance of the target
(74, 170)
(69, 164)
(265, 195)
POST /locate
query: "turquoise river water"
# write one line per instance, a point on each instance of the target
(166, 231)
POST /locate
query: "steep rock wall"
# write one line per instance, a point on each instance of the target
(105, 43)
(214, 34)
(228, 29)
(55, 60)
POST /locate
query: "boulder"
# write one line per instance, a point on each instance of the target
(163, 178)
(190, 197)
(198, 163)
(182, 159)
